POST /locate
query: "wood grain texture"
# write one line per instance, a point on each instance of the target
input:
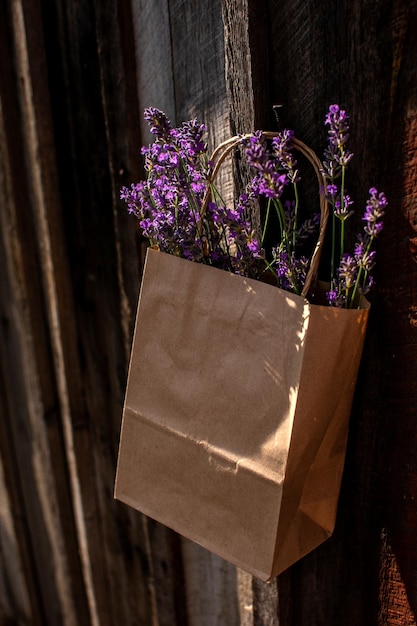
(80, 428)
(181, 43)
(247, 83)
(30, 411)
(359, 54)
(90, 114)
(398, 277)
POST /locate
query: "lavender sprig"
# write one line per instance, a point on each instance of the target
(274, 170)
(168, 204)
(169, 207)
(282, 149)
(353, 275)
(336, 160)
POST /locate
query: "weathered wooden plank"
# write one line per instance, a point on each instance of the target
(17, 594)
(247, 68)
(122, 123)
(95, 536)
(198, 65)
(245, 598)
(92, 131)
(180, 60)
(396, 604)
(39, 155)
(153, 53)
(247, 90)
(360, 55)
(211, 588)
(30, 474)
(398, 280)
(247, 80)
(265, 603)
(14, 596)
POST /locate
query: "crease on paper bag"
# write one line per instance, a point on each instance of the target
(219, 458)
(176, 485)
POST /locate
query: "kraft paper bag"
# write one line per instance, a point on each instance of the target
(236, 412)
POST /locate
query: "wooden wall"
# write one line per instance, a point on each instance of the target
(75, 77)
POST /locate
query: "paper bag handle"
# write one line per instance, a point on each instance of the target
(222, 151)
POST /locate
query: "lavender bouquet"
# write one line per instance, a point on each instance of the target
(181, 210)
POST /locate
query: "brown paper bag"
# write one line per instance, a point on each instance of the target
(236, 412)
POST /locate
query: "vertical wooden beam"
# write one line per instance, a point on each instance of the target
(33, 124)
(31, 418)
(247, 81)
(180, 61)
(398, 284)
(94, 123)
(84, 558)
(360, 56)
(14, 596)
(247, 67)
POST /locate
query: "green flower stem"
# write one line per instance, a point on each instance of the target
(268, 266)
(285, 238)
(190, 193)
(364, 282)
(268, 208)
(332, 258)
(342, 208)
(335, 263)
(148, 179)
(283, 225)
(281, 217)
(216, 194)
(294, 232)
(358, 278)
(355, 288)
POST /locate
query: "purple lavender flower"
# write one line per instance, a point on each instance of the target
(374, 212)
(332, 190)
(347, 273)
(158, 122)
(365, 257)
(269, 184)
(337, 120)
(336, 298)
(308, 227)
(132, 197)
(189, 138)
(257, 152)
(354, 274)
(282, 145)
(336, 156)
(268, 181)
(336, 159)
(341, 207)
(273, 171)
(168, 204)
(291, 271)
(137, 198)
(366, 286)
